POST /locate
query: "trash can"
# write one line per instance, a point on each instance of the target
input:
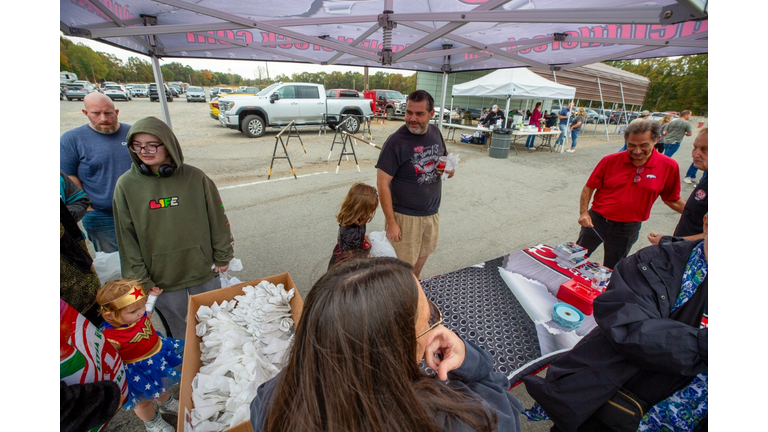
(502, 139)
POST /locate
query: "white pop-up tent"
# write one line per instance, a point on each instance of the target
(518, 83)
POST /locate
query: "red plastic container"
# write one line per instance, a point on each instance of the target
(578, 295)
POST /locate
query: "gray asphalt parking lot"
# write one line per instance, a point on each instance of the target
(490, 208)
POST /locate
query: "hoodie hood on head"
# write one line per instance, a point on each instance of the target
(158, 128)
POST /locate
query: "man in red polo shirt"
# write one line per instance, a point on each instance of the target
(625, 185)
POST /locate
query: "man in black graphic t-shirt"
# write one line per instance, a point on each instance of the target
(409, 182)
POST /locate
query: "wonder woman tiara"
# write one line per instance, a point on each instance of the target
(135, 294)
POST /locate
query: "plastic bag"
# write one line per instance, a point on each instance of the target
(228, 281)
(380, 246)
(450, 165)
(107, 266)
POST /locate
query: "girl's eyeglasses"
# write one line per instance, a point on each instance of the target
(435, 318)
(149, 148)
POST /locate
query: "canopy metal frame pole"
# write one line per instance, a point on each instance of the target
(602, 110)
(161, 90)
(567, 120)
(446, 69)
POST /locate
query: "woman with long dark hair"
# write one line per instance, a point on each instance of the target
(354, 363)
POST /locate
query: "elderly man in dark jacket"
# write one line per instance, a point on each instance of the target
(650, 347)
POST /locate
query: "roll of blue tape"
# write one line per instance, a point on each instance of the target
(567, 316)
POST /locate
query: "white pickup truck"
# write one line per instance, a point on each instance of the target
(280, 103)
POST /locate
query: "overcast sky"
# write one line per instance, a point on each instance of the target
(244, 68)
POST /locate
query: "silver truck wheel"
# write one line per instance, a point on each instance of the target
(253, 126)
(353, 125)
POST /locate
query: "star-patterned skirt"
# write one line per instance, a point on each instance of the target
(150, 378)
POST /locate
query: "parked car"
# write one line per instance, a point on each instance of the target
(139, 90)
(104, 84)
(391, 102)
(224, 91)
(339, 93)
(117, 92)
(594, 116)
(87, 84)
(195, 94)
(248, 90)
(153, 94)
(74, 91)
(177, 85)
(281, 103)
(213, 92)
(214, 104)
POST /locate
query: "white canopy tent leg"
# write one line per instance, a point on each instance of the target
(506, 113)
(442, 100)
(161, 90)
(450, 113)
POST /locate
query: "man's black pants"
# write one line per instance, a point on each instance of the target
(617, 236)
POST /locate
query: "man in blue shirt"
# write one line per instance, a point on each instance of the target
(94, 156)
(563, 116)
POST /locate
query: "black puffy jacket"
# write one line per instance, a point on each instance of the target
(636, 343)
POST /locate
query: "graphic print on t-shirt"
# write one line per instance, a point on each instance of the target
(424, 162)
(163, 203)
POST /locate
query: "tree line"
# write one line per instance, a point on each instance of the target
(676, 83)
(97, 67)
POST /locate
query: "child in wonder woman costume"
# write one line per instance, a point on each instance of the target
(150, 360)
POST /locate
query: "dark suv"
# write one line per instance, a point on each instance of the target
(153, 96)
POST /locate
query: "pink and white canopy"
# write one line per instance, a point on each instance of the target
(423, 35)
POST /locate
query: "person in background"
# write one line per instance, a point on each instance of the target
(353, 365)
(410, 184)
(494, 116)
(676, 131)
(664, 125)
(356, 211)
(172, 229)
(563, 118)
(535, 121)
(483, 115)
(78, 281)
(691, 224)
(94, 156)
(645, 367)
(625, 186)
(576, 124)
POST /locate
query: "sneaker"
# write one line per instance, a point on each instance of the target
(530, 148)
(693, 179)
(687, 180)
(171, 406)
(159, 425)
(570, 150)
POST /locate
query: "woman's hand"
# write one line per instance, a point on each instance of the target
(446, 343)
(155, 291)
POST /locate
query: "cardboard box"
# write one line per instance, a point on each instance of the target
(192, 362)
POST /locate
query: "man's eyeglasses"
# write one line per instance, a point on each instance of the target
(435, 318)
(637, 174)
(149, 147)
